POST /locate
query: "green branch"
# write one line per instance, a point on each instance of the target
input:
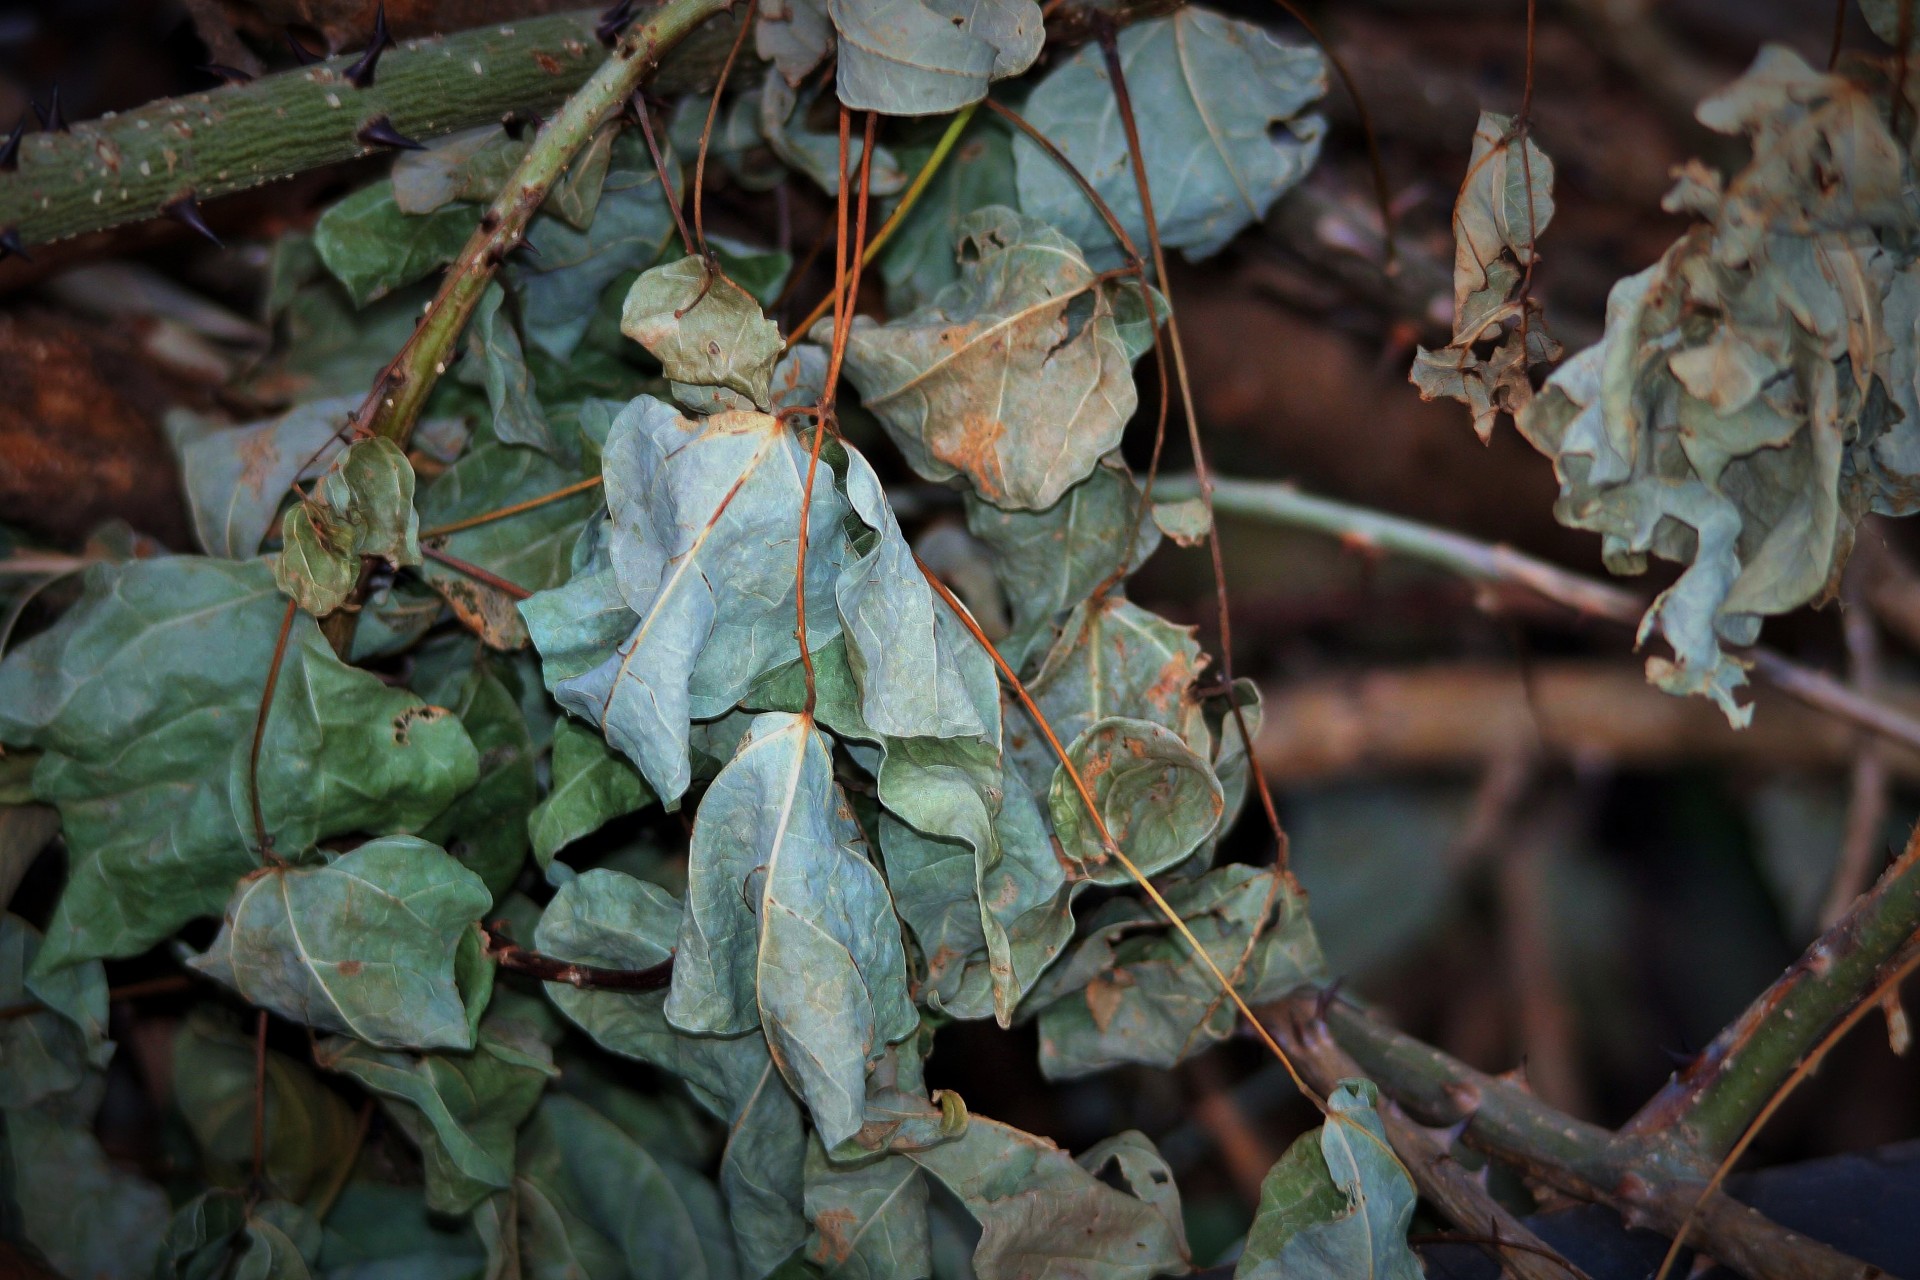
(1709, 1104)
(1477, 561)
(1652, 1181)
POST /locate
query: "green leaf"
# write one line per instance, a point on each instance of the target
(605, 918)
(561, 282)
(789, 927)
(53, 1050)
(517, 415)
(486, 829)
(579, 1169)
(927, 57)
(143, 698)
(918, 261)
(869, 1220)
(363, 506)
(705, 517)
(86, 1216)
(378, 1231)
(461, 1110)
(705, 330)
(1337, 1204)
(794, 35)
(199, 1239)
(1018, 376)
(363, 944)
(309, 1128)
(532, 549)
(1028, 1196)
(1224, 131)
(1049, 561)
(1138, 994)
(237, 477)
(591, 787)
(784, 111)
(282, 1240)
(475, 166)
(1156, 795)
(373, 248)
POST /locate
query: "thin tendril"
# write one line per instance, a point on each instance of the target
(706, 132)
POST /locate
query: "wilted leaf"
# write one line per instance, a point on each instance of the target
(531, 549)
(460, 1109)
(1224, 129)
(925, 57)
(237, 477)
(869, 1220)
(789, 927)
(1028, 1195)
(1049, 561)
(143, 698)
(605, 918)
(705, 516)
(518, 417)
(88, 1217)
(53, 1050)
(309, 1128)
(909, 667)
(373, 248)
(1503, 207)
(1338, 1203)
(1018, 376)
(1729, 418)
(363, 506)
(592, 785)
(1136, 993)
(363, 944)
(1157, 798)
(705, 330)
(794, 35)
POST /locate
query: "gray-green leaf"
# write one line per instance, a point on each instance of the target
(1225, 131)
(705, 330)
(363, 944)
(143, 699)
(925, 57)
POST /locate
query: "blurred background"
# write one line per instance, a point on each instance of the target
(1513, 844)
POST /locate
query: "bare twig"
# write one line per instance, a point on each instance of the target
(1500, 565)
(1867, 802)
(586, 977)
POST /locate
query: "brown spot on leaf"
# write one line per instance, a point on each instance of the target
(836, 1227)
(404, 722)
(349, 968)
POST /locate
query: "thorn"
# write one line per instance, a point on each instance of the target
(51, 118)
(10, 245)
(186, 210)
(360, 74)
(229, 75)
(301, 54)
(379, 132)
(10, 149)
(525, 246)
(613, 21)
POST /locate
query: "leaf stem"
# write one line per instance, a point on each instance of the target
(262, 837)
(518, 508)
(586, 977)
(478, 574)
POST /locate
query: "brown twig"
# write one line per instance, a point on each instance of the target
(585, 977)
(131, 991)
(1867, 802)
(475, 572)
(501, 513)
(262, 837)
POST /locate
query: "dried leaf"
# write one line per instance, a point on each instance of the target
(1157, 797)
(363, 506)
(237, 477)
(705, 330)
(1018, 376)
(926, 57)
